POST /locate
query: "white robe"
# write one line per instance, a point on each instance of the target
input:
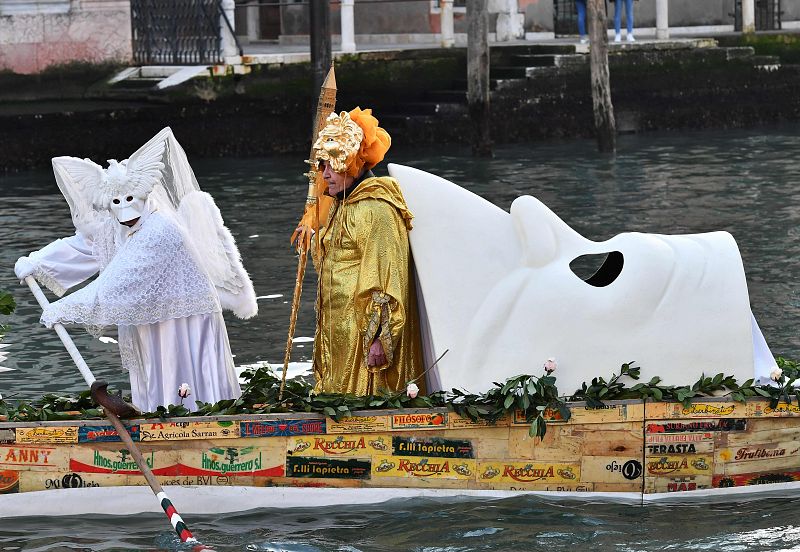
(171, 329)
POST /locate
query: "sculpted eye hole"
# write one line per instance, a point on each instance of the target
(115, 201)
(129, 198)
(598, 270)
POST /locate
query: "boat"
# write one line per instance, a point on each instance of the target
(631, 451)
(678, 304)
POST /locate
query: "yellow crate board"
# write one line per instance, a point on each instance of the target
(487, 432)
(42, 435)
(94, 459)
(672, 465)
(779, 464)
(419, 421)
(558, 445)
(552, 487)
(308, 483)
(403, 482)
(752, 452)
(277, 443)
(46, 481)
(428, 467)
(487, 442)
(612, 443)
(630, 487)
(247, 461)
(698, 447)
(195, 480)
(358, 424)
(761, 409)
(686, 483)
(676, 438)
(459, 422)
(774, 435)
(525, 473)
(618, 470)
(34, 457)
(698, 409)
(363, 445)
(7, 436)
(611, 413)
(181, 431)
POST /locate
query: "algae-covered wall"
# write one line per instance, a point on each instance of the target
(419, 96)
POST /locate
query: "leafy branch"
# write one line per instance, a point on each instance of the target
(719, 385)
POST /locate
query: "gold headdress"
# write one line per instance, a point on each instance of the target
(351, 141)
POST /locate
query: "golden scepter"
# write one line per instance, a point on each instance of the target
(316, 209)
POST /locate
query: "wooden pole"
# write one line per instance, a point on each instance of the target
(316, 209)
(748, 16)
(478, 76)
(319, 22)
(605, 126)
(172, 514)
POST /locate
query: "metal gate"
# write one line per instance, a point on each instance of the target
(768, 15)
(565, 17)
(176, 32)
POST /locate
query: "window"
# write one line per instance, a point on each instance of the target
(30, 7)
(459, 6)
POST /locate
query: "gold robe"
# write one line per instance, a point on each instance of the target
(366, 289)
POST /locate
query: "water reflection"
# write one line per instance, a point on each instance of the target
(742, 182)
(440, 525)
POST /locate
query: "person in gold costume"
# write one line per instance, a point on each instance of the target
(367, 337)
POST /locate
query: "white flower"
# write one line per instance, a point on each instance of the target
(412, 390)
(550, 365)
(184, 390)
(776, 374)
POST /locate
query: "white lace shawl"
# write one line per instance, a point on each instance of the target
(152, 277)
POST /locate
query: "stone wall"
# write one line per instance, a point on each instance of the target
(37, 34)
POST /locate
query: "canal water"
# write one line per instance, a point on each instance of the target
(744, 182)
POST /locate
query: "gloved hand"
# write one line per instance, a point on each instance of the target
(24, 267)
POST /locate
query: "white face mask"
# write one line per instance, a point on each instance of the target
(126, 207)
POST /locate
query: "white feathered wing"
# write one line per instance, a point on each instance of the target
(220, 256)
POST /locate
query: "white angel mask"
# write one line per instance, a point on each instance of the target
(677, 305)
(125, 205)
(158, 175)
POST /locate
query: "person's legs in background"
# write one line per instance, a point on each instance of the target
(581, 7)
(618, 20)
(628, 19)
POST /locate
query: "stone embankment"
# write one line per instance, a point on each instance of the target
(539, 92)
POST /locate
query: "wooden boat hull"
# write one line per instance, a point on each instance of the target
(628, 451)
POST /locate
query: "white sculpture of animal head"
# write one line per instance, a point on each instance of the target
(499, 293)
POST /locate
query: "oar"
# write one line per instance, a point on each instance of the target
(114, 407)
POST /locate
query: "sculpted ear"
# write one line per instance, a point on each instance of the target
(544, 236)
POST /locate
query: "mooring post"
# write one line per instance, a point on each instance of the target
(320, 38)
(253, 20)
(229, 48)
(348, 26)
(748, 16)
(662, 19)
(448, 34)
(604, 124)
(478, 76)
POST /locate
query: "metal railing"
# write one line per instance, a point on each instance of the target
(767, 14)
(176, 32)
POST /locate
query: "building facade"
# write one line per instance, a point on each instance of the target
(37, 34)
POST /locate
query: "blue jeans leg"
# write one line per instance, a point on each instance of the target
(628, 15)
(581, 7)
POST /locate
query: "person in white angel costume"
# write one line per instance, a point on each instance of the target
(167, 267)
